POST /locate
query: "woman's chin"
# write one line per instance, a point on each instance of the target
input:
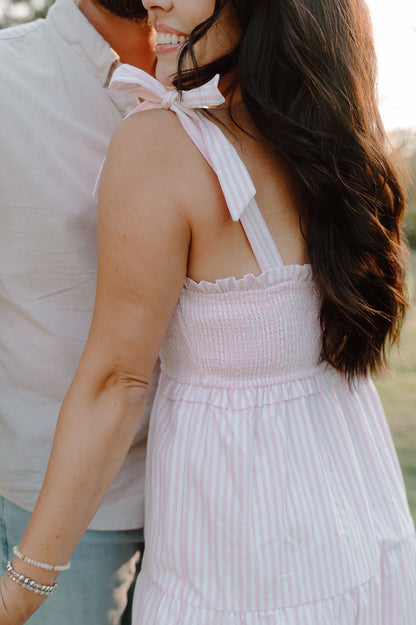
(165, 74)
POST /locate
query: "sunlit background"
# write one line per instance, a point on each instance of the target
(395, 33)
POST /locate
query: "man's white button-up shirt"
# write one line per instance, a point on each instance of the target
(56, 119)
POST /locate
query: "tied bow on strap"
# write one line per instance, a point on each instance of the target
(137, 82)
(232, 174)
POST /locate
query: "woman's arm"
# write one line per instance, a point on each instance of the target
(143, 242)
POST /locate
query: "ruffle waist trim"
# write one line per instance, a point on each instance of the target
(241, 395)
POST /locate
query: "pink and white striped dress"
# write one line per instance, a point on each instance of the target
(274, 495)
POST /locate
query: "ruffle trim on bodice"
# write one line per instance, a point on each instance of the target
(242, 394)
(267, 279)
(369, 604)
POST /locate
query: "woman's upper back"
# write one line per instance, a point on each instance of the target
(240, 312)
(245, 315)
(219, 247)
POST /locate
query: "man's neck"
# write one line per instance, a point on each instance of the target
(133, 41)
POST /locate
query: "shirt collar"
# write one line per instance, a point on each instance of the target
(71, 24)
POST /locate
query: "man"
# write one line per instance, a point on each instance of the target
(56, 118)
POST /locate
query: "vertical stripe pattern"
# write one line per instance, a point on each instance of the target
(273, 492)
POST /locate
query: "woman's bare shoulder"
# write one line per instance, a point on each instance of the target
(153, 147)
(154, 133)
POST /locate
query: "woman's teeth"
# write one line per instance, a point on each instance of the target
(170, 39)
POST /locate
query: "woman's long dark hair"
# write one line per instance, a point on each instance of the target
(307, 74)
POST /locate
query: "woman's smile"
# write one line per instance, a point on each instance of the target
(175, 20)
(169, 39)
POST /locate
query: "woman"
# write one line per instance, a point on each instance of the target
(273, 491)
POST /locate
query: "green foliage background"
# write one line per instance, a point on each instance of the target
(17, 11)
(398, 394)
(410, 223)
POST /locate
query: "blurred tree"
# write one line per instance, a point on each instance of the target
(404, 140)
(410, 222)
(18, 11)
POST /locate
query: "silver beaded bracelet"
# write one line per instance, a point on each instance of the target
(30, 584)
(40, 565)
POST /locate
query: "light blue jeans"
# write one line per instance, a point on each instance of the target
(95, 590)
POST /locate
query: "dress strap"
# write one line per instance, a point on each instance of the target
(235, 181)
(261, 241)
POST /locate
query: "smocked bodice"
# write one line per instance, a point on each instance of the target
(238, 332)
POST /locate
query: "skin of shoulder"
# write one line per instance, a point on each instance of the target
(153, 148)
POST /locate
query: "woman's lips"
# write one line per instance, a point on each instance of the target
(168, 39)
(163, 28)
